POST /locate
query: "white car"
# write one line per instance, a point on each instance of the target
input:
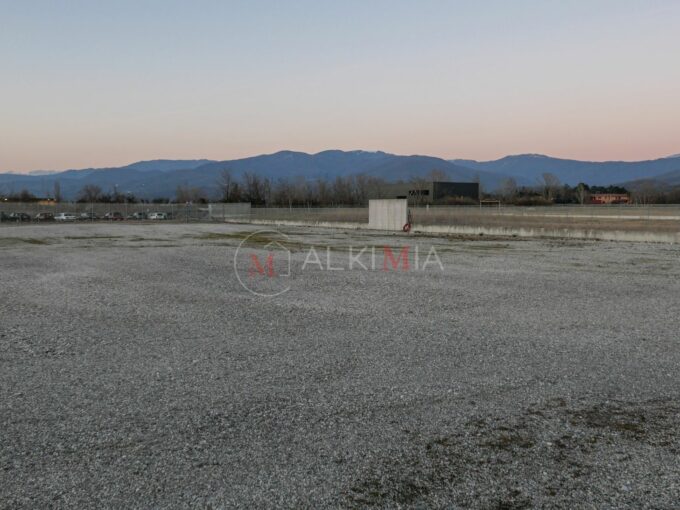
(65, 216)
(158, 216)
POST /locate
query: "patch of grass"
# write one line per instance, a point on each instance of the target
(81, 238)
(254, 240)
(388, 492)
(612, 418)
(508, 441)
(513, 501)
(155, 239)
(13, 241)
(644, 260)
(138, 246)
(494, 246)
(218, 236)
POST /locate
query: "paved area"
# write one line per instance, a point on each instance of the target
(136, 371)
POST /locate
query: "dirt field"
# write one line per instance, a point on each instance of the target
(136, 371)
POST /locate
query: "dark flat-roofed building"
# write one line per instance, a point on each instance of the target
(429, 192)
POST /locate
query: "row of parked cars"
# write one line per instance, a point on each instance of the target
(85, 216)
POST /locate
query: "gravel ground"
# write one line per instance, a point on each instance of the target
(135, 371)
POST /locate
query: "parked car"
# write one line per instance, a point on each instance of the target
(158, 216)
(137, 216)
(44, 216)
(88, 216)
(65, 216)
(4, 217)
(114, 216)
(19, 216)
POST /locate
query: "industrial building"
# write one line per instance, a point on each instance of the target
(429, 192)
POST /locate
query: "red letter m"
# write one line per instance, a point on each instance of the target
(255, 266)
(403, 256)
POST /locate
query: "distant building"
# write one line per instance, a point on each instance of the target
(429, 192)
(609, 198)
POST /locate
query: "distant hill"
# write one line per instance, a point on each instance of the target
(168, 165)
(160, 178)
(662, 182)
(131, 178)
(529, 168)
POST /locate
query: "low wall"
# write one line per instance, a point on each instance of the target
(229, 211)
(182, 212)
(294, 223)
(564, 233)
(594, 235)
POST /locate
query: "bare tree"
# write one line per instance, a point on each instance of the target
(236, 193)
(550, 185)
(267, 191)
(647, 193)
(361, 187)
(254, 188)
(283, 193)
(89, 193)
(509, 188)
(323, 192)
(342, 191)
(480, 190)
(419, 185)
(224, 183)
(185, 194)
(26, 196)
(581, 193)
(57, 191)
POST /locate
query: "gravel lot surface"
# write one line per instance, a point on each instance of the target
(135, 371)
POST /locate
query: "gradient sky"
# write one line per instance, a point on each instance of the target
(95, 83)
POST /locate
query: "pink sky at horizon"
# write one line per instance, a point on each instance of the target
(109, 84)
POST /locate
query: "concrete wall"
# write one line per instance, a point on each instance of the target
(182, 212)
(593, 235)
(561, 233)
(387, 214)
(229, 211)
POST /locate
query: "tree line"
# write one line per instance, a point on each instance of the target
(298, 191)
(353, 190)
(551, 191)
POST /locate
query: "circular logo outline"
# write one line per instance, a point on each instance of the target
(238, 249)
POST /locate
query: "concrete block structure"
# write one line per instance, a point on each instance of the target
(229, 211)
(387, 214)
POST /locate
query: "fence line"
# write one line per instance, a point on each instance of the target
(618, 217)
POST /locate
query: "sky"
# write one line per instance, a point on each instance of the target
(96, 84)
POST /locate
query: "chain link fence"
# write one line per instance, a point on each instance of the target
(597, 217)
(99, 211)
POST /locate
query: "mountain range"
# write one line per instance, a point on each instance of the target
(160, 178)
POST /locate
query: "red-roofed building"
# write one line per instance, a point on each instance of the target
(609, 198)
